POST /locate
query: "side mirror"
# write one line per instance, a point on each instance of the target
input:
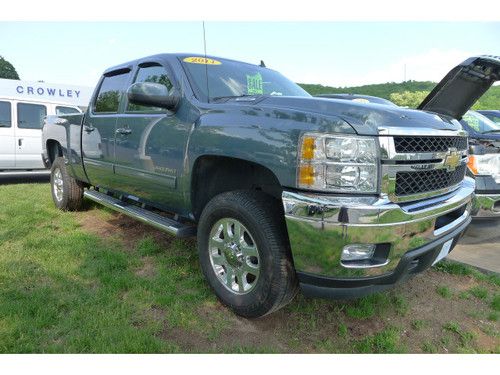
(152, 94)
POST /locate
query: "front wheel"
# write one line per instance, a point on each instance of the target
(244, 252)
(67, 192)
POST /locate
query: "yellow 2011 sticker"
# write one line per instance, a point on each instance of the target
(201, 60)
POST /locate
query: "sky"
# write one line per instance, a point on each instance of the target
(329, 53)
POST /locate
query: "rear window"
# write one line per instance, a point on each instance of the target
(60, 110)
(30, 116)
(5, 115)
(110, 93)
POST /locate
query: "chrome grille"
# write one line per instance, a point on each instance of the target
(429, 144)
(408, 183)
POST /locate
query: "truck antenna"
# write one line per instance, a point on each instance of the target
(206, 65)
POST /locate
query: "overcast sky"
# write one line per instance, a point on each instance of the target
(330, 53)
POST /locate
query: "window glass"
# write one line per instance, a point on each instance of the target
(30, 116)
(66, 110)
(155, 74)
(110, 93)
(480, 123)
(227, 78)
(5, 119)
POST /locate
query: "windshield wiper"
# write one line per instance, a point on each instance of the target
(255, 96)
(492, 131)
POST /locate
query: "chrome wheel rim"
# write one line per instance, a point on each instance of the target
(57, 186)
(234, 256)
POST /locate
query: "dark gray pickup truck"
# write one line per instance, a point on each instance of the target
(281, 189)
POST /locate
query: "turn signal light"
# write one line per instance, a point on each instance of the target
(472, 164)
(306, 175)
(308, 146)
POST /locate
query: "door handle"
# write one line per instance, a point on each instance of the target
(20, 142)
(124, 131)
(88, 128)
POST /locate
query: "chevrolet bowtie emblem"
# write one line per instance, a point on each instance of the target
(452, 159)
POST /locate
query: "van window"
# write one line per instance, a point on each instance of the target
(5, 115)
(30, 116)
(156, 74)
(66, 110)
(110, 93)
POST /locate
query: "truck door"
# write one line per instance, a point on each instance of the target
(150, 144)
(7, 138)
(98, 130)
(28, 137)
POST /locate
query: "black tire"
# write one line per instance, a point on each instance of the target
(262, 216)
(71, 196)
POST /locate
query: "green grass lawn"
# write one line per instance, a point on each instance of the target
(98, 282)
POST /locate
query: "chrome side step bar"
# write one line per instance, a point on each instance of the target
(143, 215)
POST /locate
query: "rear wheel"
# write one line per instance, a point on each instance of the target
(244, 252)
(67, 192)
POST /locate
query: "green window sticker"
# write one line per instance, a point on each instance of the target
(254, 84)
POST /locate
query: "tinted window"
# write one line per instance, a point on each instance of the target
(155, 74)
(66, 110)
(110, 93)
(5, 119)
(30, 116)
(479, 123)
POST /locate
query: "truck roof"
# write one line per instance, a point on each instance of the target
(165, 57)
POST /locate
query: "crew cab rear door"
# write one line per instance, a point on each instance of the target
(463, 86)
(99, 126)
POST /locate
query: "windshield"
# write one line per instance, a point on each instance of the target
(480, 123)
(231, 78)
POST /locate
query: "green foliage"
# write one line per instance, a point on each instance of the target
(410, 99)
(490, 100)
(479, 292)
(444, 291)
(7, 70)
(385, 341)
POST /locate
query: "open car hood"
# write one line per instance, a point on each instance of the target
(463, 86)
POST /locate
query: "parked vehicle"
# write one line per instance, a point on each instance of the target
(484, 162)
(280, 188)
(358, 98)
(21, 124)
(492, 115)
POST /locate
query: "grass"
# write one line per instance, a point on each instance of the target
(464, 336)
(459, 269)
(68, 287)
(385, 341)
(444, 291)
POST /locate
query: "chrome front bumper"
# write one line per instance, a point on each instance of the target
(486, 206)
(319, 226)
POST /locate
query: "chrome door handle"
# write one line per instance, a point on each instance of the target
(124, 131)
(88, 128)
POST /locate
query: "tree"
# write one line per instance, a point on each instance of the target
(7, 70)
(408, 98)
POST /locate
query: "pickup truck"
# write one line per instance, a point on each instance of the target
(484, 163)
(282, 190)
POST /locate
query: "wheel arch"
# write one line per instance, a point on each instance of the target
(213, 175)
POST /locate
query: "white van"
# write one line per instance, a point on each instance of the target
(21, 131)
(23, 106)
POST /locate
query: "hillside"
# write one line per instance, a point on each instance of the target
(491, 100)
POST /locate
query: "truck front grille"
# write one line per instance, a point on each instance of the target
(408, 183)
(429, 144)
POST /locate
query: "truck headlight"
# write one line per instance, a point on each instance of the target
(338, 163)
(486, 165)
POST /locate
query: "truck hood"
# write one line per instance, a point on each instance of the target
(463, 86)
(365, 118)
